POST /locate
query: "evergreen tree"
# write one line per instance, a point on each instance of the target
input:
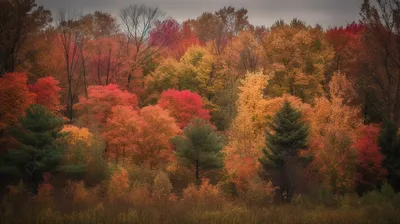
(389, 142)
(38, 151)
(281, 159)
(200, 147)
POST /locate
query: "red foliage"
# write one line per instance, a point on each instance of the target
(101, 99)
(340, 37)
(105, 60)
(184, 106)
(346, 41)
(165, 33)
(48, 93)
(174, 37)
(369, 168)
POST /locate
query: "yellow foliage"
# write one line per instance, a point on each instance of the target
(78, 135)
(298, 56)
(247, 131)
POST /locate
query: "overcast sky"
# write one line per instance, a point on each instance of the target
(261, 12)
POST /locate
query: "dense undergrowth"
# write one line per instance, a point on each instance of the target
(78, 204)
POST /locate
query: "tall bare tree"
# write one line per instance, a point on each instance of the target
(138, 21)
(382, 53)
(71, 40)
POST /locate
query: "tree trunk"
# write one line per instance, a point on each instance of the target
(197, 171)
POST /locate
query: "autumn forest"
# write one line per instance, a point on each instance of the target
(139, 118)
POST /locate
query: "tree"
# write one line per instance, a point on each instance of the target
(78, 154)
(298, 56)
(282, 156)
(346, 42)
(334, 125)
(71, 39)
(138, 21)
(105, 60)
(38, 151)
(99, 24)
(19, 19)
(243, 54)
(153, 141)
(380, 56)
(193, 72)
(199, 148)
(165, 33)
(47, 93)
(15, 98)
(381, 47)
(220, 26)
(389, 142)
(184, 106)
(96, 108)
(369, 170)
(121, 133)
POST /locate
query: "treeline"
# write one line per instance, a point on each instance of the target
(144, 107)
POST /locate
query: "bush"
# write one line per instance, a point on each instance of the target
(258, 192)
(162, 187)
(119, 184)
(205, 193)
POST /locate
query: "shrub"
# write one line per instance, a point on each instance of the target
(119, 184)
(162, 187)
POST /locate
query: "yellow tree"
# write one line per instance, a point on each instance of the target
(299, 56)
(194, 71)
(79, 141)
(247, 132)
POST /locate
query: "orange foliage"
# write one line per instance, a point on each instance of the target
(153, 141)
(333, 125)
(119, 184)
(121, 131)
(15, 98)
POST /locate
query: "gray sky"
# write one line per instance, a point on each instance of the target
(261, 12)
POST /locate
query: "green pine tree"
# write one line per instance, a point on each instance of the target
(38, 151)
(389, 143)
(199, 148)
(281, 161)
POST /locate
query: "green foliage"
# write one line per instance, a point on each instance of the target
(38, 151)
(281, 159)
(200, 147)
